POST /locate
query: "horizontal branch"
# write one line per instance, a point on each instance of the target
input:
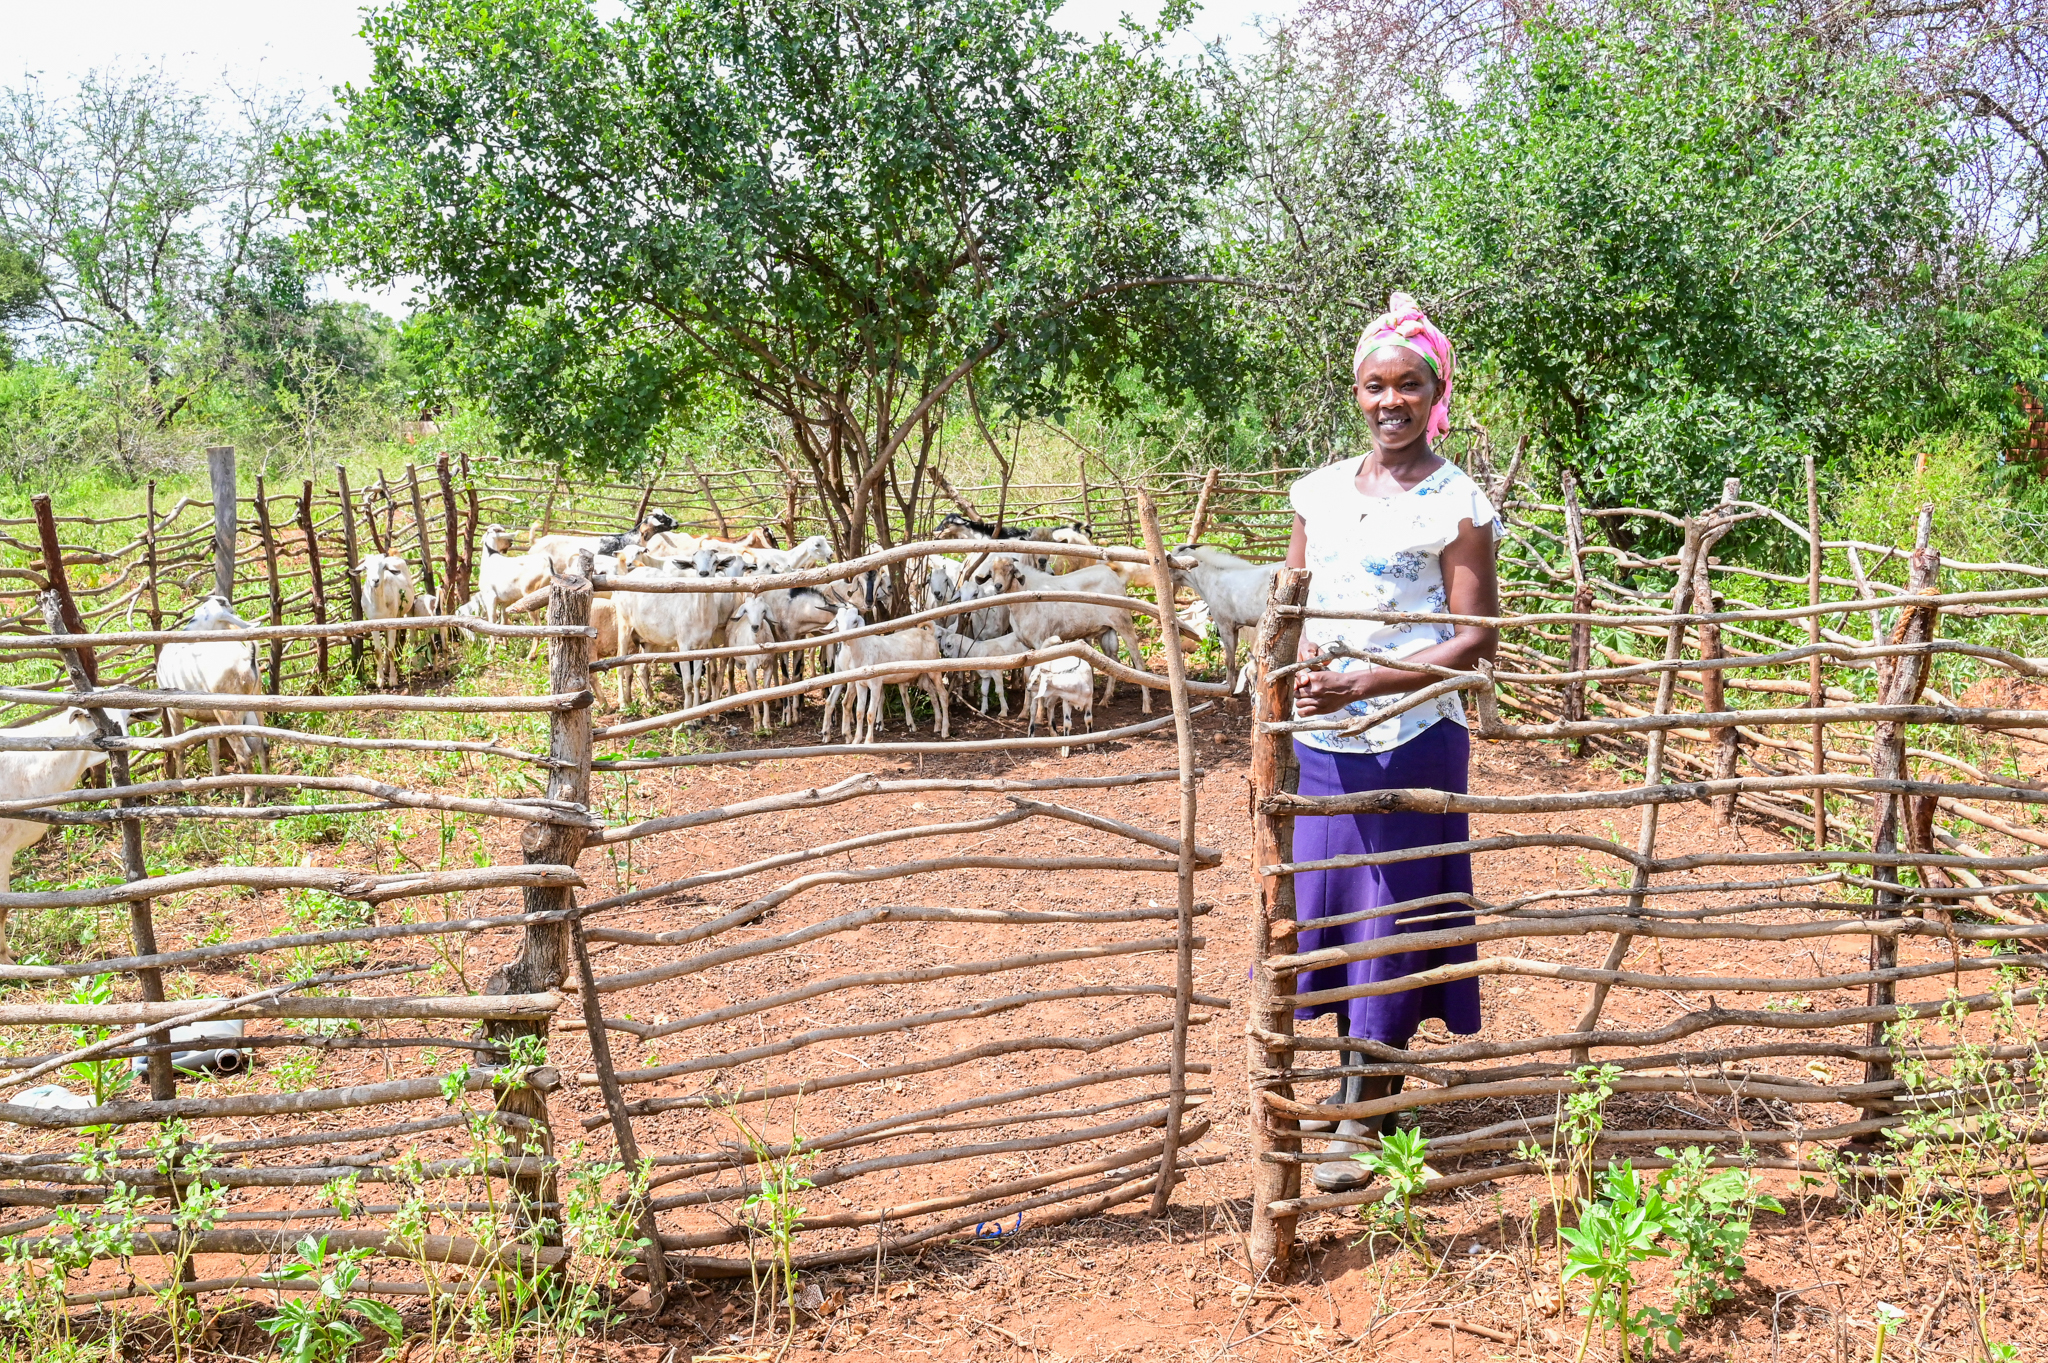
(1032, 744)
(270, 1104)
(373, 889)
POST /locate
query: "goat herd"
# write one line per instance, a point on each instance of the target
(747, 620)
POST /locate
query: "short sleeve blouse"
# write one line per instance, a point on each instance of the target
(1383, 554)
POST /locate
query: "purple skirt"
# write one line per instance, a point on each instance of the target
(1436, 758)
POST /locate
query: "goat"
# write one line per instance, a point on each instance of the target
(1070, 681)
(217, 669)
(864, 699)
(496, 539)
(26, 774)
(954, 644)
(665, 622)
(560, 550)
(387, 595)
(504, 578)
(1036, 621)
(808, 553)
(1235, 591)
(750, 627)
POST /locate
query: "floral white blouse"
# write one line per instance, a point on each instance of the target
(1382, 553)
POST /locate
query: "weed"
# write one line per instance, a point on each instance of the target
(1400, 1161)
(1887, 1318)
(295, 1072)
(1708, 1211)
(773, 1212)
(103, 1078)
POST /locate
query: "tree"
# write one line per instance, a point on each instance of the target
(1690, 247)
(846, 210)
(142, 209)
(21, 289)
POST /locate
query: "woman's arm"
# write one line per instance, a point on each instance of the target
(1471, 588)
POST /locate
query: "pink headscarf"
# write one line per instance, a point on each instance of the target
(1405, 324)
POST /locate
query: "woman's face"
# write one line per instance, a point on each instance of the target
(1396, 388)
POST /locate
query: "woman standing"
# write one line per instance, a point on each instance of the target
(1398, 530)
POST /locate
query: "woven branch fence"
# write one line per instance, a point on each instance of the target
(1908, 832)
(995, 904)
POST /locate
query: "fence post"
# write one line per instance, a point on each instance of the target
(419, 525)
(1816, 692)
(1653, 775)
(458, 587)
(1581, 656)
(1901, 686)
(276, 588)
(1184, 931)
(1201, 518)
(1272, 1026)
(1714, 680)
(58, 613)
(543, 958)
(220, 471)
(313, 570)
(348, 549)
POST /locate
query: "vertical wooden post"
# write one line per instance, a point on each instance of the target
(615, 1108)
(1272, 1023)
(458, 590)
(58, 613)
(544, 956)
(68, 620)
(1201, 519)
(276, 587)
(1714, 680)
(704, 481)
(354, 576)
(1908, 677)
(1653, 775)
(790, 494)
(1581, 656)
(220, 470)
(1816, 694)
(1087, 517)
(1184, 744)
(313, 570)
(173, 762)
(646, 500)
(419, 525)
(388, 541)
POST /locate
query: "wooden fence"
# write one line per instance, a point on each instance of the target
(1814, 712)
(719, 1129)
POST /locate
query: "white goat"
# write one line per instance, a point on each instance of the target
(1070, 681)
(954, 644)
(865, 701)
(751, 627)
(26, 774)
(387, 595)
(1235, 590)
(667, 622)
(217, 669)
(1037, 621)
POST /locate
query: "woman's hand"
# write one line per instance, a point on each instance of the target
(1326, 692)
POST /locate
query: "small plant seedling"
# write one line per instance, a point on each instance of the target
(1618, 1230)
(1888, 1319)
(309, 1327)
(1708, 1211)
(1399, 1160)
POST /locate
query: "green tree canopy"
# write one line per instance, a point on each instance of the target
(845, 210)
(1689, 245)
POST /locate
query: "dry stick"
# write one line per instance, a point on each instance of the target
(528, 810)
(1014, 1046)
(199, 700)
(252, 1104)
(1195, 527)
(319, 584)
(461, 1007)
(440, 1249)
(173, 767)
(1271, 1244)
(354, 562)
(615, 1101)
(190, 737)
(1653, 774)
(269, 541)
(1183, 732)
(40, 642)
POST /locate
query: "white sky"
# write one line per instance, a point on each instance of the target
(312, 44)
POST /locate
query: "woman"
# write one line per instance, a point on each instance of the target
(1398, 530)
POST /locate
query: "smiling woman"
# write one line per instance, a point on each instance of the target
(1398, 530)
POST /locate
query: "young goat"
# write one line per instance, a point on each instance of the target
(1036, 622)
(1070, 681)
(864, 699)
(954, 644)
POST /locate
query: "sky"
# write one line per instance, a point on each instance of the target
(312, 45)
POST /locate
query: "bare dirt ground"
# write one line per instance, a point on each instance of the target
(1124, 1286)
